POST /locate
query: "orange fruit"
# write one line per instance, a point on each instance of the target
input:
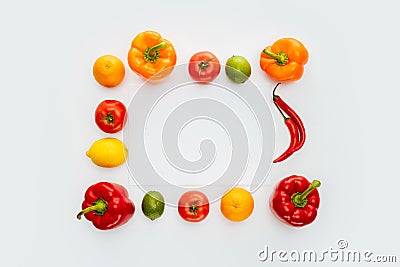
(108, 70)
(237, 204)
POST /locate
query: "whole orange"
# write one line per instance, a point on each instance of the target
(237, 204)
(108, 70)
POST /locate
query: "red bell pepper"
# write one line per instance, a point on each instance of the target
(296, 200)
(107, 205)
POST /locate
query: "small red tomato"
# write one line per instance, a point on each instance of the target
(193, 206)
(110, 116)
(204, 67)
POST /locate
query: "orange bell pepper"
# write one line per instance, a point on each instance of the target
(284, 61)
(151, 56)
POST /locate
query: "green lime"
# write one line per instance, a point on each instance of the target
(238, 69)
(153, 205)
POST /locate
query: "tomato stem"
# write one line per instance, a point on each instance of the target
(109, 118)
(204, 64)
(193, 208)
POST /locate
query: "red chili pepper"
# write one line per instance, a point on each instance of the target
(293, 137)
(293, 115)
(107, 205)
(296, 200)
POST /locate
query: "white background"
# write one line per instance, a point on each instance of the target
(348, 99)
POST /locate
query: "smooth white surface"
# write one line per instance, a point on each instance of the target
(348, 99)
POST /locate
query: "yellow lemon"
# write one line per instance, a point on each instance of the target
(107, 152)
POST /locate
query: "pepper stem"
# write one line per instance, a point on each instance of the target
(151, 54)
(300, 199)
(99, 207)
(280, 111)
(274, 96)
(281, 58)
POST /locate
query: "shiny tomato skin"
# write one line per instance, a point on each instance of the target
(193, 206)
(110, 116)
(204, 67)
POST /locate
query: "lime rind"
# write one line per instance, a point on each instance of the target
(153, 205)
(238, 69)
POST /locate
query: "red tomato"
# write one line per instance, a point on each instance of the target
(204, 67)
(110, 116)
(193, 206)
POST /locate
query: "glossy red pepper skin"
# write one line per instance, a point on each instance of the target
(295, 200)
(107, 205)
(293, 131)
(281, 104)
(296, 118)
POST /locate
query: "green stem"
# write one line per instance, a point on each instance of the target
(109, 118)
(280, 59)
(99, 207)
(151, 54)
(280, 111)
(300, 199)
(204, 64)
(193, 208)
